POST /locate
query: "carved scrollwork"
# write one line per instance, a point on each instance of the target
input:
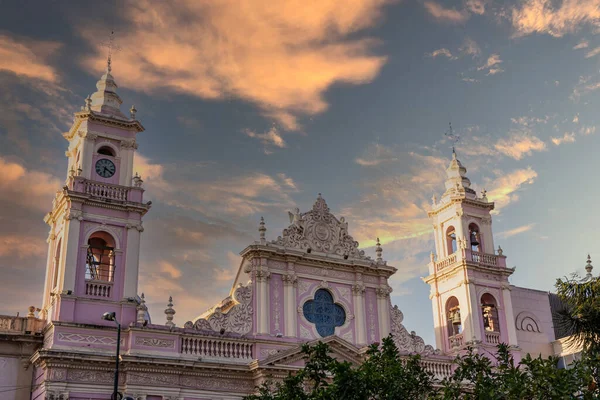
(407, 342)
(320, 230)
(238, 319)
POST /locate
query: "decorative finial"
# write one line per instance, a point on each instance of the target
(378, 250)
(589, 267)
(79, 171)
(111, 47)
(132, 112)
(72, 172)
(453, 138)
(500, 251)
(484, 195)
(170, 312)
(434, 200)
(88, 103)
(262, 229)
(141, 310)
(31, 313)
(432, 257)
(137, 180)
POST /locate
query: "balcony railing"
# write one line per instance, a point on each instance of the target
(439, 369)
(485, 259)
(456, 340)
(98, 288)
(106, 191)
(20, 325)
(492, 337)
(216, 348)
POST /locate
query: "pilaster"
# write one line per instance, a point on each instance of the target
(510, 318)
(132, 260)
(383, 310)
(290, 285)
(69, 262)
(358, 292)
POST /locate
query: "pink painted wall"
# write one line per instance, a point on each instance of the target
(372, 318)
(276, 306)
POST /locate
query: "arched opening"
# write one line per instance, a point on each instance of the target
(107, 151)
(454, 322)
(474, 237)
(451, 240)
(489, 313)
(56, 264)
(100, 260)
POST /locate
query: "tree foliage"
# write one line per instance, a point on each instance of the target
(384, 375)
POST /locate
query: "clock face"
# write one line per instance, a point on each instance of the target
(105, 168)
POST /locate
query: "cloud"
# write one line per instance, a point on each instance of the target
(476, 6)
(442, 52)
(593, 53)
(568, 137)
(515, 231)
(576, 118)
(271, 138)
(216, 50)
(470, 47)
(581, 45)
(22, 246)
(555, 18)
(471, 80)
(584, 86)
(505, 186)
(491, 65)
(587, 130)
(26, 188)
(519, 144)
(376, 154)
(448, 15)
(28, 57)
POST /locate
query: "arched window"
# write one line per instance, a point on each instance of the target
(474, 237)
(56, 265)
(454, 321)
(451, 240)
(489, 313)
(100, 260)
(107, 151)
(324, 313)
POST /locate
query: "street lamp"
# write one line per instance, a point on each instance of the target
(111, 316)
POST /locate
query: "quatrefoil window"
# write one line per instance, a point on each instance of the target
(324, 313)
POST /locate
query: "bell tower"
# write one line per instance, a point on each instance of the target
(96, 218)
(470, 292)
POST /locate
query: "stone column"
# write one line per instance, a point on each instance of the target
(509, 315)
(69, 261)
(383, 310)
(290, 283)
(262, 283)
(87, 152)
(358, 292)
(132, 260)
(50, 265)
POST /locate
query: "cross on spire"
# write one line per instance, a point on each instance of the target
(112, 47)
(454, 138)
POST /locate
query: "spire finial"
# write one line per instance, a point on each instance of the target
(170, 312)
(111, 47)
(453, 138)
(132, 111)
(141, 310)
(378, 250)
(262, 229)
(589, 267)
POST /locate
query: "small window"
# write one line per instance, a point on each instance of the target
(451, 240)
(100, 259)
(489, 313)
(107, 151)
(453, 317)
(474, 237)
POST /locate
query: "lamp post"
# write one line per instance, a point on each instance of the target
(111, 316)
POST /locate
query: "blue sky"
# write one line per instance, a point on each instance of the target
(252, 108)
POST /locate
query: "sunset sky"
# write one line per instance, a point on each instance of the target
(254, 107)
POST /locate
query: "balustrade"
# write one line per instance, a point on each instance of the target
(483, 258)
(492, 337)
(216, 348)
(439, 369)
(98, 289)
(451, 259)
(456, 340)
(106, 191)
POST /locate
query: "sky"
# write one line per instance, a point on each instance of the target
(254, 107)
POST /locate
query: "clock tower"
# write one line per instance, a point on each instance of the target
(96, 218)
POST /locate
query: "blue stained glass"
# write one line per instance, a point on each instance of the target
(324, 313)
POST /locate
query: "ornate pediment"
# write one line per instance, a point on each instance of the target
(408, 342)
(236, 319)
(319, 230)
(339, 348)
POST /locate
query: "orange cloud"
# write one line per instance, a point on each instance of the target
(492, 65)
(282, 56)
(32, 189)
(22, 246)
(568, 137)
(449, 15)
(519, 144)
(442, 52)
(271, 138)
(515, 231)
(504, 188)
(554, 18)
(28, 58)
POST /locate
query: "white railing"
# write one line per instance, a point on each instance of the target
(483, 258)
(106, 191)
(98, 289)
(216, 348)
(451, 259)
(492, 337)
(456, 340)
(439, 369)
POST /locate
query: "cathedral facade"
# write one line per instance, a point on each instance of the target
(312, 283)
